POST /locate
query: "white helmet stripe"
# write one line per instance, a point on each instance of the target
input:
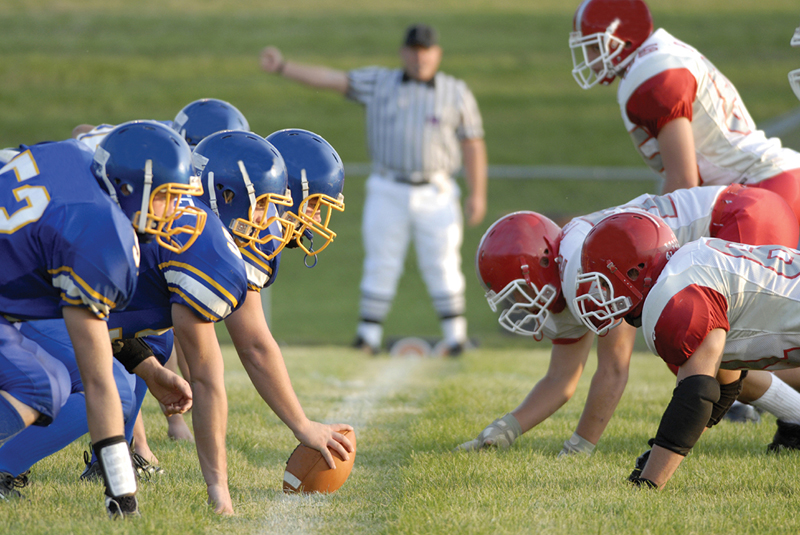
(212, 194)
(148, 186)
(251, 189)
(101, 156)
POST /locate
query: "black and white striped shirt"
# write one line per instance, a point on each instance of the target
(415, 127)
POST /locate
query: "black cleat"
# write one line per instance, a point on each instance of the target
(122, 507)
(787, 437)
(145, 470)
(9, 485)
(92, 471)
(360, 343)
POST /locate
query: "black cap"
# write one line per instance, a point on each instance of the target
(420, 35)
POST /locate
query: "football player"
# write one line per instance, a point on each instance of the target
(711, 307)
(529, 269)
(70, 253)
(685, 117)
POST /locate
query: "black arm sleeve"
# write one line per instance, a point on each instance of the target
(687, 414)
(131, 352)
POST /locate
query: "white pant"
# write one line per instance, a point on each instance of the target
(394, 213)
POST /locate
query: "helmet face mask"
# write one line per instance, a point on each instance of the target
(313, 218)
(146, 168)
(247, 187)
(598, 308)
(523, 308)
(597, 57)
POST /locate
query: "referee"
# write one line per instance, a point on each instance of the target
(420, 123)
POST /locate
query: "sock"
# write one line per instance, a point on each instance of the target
(370, 332)
(454, 330)
(11, 422)
(36, 443)
(781, 400)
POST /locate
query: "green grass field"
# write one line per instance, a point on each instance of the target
(408, 415)
(66, 62)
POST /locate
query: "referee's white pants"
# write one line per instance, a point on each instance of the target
(394, 213)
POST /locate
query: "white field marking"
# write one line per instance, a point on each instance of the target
(290, 514)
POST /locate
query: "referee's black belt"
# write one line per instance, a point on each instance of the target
(413, 179)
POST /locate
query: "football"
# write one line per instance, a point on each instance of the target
(307, 471)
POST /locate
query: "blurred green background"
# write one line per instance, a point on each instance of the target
(70, 62)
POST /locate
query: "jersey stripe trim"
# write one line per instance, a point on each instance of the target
(163, 267)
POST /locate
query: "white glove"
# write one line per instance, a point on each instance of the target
(576, 444)
(499, 434)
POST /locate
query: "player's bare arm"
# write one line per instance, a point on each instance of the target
(608, 383)
(550, 393)
(704, 363)
(475, 174)
(676, 142)
(272, 61)
(89, 336)
(262, 359)
(199, 343)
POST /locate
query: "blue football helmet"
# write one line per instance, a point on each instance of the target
(242, 173)
(141, 163)
(316, 179)
(206, 116)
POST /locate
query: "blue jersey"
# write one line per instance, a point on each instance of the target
(209, 278)
(63, 241)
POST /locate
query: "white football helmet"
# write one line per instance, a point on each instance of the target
(794, 76)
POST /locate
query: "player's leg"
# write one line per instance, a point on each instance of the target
(768, 392)
(385, 234)
(754, 216)
(33, 388)
(438, 235)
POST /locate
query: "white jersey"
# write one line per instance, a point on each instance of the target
(751, 292)
(730, 149)
(687, 212)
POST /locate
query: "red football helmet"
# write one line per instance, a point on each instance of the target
(621, 259)
(612, 30)
(516, 264)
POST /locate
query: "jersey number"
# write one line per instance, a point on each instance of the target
(35, 198)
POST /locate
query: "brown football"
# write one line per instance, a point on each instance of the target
(307, 471)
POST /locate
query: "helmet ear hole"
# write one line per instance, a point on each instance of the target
(228, 195)
(544, 262)
(633, 274)
(126, 189)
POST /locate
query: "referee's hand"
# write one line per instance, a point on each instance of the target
(474, 209)
(271, 59)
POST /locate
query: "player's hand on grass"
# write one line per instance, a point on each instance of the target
(576, 444)
(322, 436)
(499, 434)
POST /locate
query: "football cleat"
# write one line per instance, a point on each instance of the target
(144, 469)
(92, 471)
(122, 507)
(787, 437)
(9, 485)
(360, 343)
